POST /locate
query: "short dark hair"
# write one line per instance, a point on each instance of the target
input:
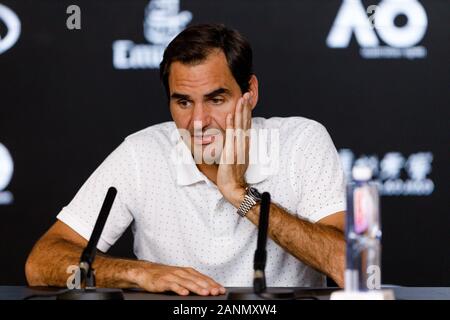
(196, 42)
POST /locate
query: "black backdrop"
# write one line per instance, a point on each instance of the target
(64, 108)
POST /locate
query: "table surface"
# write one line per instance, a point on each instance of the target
(401, 293)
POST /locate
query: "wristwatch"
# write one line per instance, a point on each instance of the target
(251, 198)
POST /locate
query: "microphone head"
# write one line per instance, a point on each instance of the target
(265, 198)
(111, 194)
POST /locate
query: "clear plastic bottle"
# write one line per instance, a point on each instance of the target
(363, 232)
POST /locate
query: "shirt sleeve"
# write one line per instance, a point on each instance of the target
(316, 175)
(118, 170)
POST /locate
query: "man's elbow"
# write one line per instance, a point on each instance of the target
(33, 270)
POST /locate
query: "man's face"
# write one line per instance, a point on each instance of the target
(201, 96)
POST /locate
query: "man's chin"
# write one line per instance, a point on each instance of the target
(204, 155)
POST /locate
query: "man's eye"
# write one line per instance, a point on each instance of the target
(184, 103)
(217, 100)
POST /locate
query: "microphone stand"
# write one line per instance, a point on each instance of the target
(90, 292)
(260, 291)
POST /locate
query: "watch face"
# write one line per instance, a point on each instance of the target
(254, 192)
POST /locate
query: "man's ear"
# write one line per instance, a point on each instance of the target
(253, 90)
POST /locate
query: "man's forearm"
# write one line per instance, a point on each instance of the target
(320, 246)
(53, 254)
(48, 266)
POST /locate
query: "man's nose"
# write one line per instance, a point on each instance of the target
(201, 114)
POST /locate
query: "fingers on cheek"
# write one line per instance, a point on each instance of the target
(239, 105)
(229, 120)
(238, 115)
(247, 116)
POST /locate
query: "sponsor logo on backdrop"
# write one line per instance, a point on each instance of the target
(371, 31)
(163, 20)
(396, 174)
(12, 23)
(6, 172)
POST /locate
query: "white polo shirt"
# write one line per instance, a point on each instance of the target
(180, 218)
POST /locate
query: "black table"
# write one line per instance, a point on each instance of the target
(401, 293)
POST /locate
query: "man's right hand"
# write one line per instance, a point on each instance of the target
(181, 280)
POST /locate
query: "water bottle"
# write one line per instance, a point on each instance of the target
(363, 232)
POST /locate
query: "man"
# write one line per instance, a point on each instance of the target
(195, 221)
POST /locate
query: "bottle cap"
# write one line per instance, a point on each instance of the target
(361, 173)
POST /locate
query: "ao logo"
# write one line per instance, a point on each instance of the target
(12, 24)
(352, 18)
(6, 167)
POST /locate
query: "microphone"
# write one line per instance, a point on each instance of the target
(260, 291)
(90, 292)
(259, 262)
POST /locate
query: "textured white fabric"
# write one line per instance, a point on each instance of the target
(180, 218)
